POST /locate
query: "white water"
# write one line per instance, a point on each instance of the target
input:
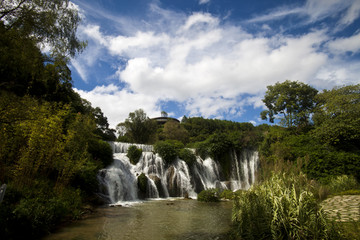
(119, 181)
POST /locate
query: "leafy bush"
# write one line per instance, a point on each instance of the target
(280, 208)
(168, 149)
(134, 154)
(187, 155)
(209, 195)
(227, 194)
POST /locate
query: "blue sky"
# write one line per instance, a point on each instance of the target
(210, 58)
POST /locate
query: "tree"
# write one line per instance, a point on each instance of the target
(48, 22)
(292, 99)
(175, 131)
(164, 114)
(337, 117)
(138, 127)
(102, 125)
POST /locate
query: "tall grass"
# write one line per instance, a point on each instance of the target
(343, 183)
(282, 207)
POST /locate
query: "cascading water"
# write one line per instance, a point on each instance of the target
(120, 181)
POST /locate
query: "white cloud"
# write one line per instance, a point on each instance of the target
(316, 10)
(343, 45)
(204, 1)
(117, 103)
(352, 13)
(205, 65)
(277, 14)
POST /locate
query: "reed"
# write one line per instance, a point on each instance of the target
(282, 207)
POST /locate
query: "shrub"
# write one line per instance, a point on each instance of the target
(142, 181)
(209, 195)
(168, 149)
(134, 154)
(187, 155)
(280, 208)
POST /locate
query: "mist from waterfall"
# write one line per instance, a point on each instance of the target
(119, 182)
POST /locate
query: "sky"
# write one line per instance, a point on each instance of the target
(210, 58)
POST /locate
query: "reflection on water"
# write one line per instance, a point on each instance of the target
(165, 219)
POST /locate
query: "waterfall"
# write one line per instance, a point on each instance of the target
(119, 182)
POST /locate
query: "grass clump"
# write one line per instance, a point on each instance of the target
(134, 154)
(343, 183)
(280, 208)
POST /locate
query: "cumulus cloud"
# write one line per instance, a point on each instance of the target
(210, 68)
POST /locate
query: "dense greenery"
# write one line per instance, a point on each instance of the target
(52, 141)
(134, 154)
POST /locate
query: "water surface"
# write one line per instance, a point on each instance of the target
(163, 219)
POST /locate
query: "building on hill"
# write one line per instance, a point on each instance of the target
(163, 120)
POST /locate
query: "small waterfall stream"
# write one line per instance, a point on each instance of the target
(120, 180)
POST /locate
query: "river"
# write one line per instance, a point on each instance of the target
(159, 219)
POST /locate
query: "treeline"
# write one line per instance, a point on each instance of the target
(52, 142)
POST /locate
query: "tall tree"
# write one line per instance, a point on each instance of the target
(51, 23)
(138, 127)
(291, 101)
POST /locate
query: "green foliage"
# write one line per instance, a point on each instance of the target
(134, 154)
(101, 152)
(53, 22)
(49, 153)
(168, 149)
(138, 127)
(227, 194)
(36, 210)
(209, 195)
(188, 156)
(291, 99)
(200, 129)
(280, 208)
(46, 153)
(337, 118)
(174, 131)
(142, 181)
